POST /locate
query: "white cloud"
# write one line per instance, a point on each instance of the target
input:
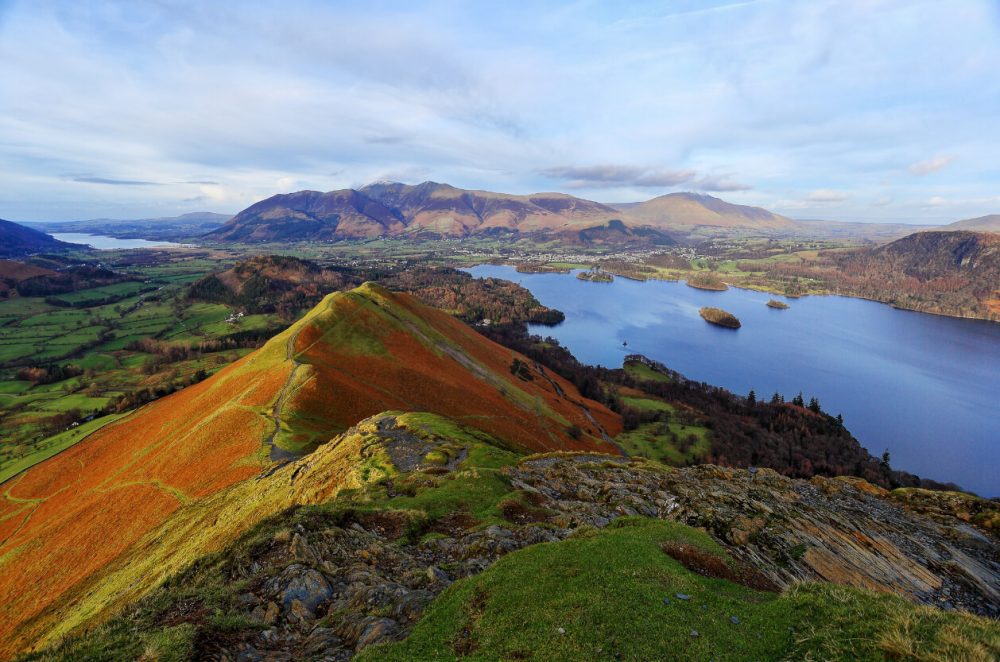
(617, 176)
(933, 164)
(244, 94)
(720, 183)
(825, 195)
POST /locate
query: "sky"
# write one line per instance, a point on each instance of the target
(856, 110)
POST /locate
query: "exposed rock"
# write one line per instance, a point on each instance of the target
(840, 530)
(376, 630)
(331, 588)
(302, 584)
(436, 575)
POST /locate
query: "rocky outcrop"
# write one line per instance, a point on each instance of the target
(330, 586)
(839, 530)
(351, 585)
(324, 582)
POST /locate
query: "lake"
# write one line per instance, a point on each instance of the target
(103, 243)
(925, 387)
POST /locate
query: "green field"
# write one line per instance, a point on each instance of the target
(101, 295)
(676, 439)
(645, 373)
(656, 441)
(93, 331)
(647, 404)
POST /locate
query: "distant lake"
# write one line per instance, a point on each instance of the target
(925, 387)
(103, 243)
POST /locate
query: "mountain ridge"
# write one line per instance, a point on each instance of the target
(988, 223)
(431, 209)
(354, 355)
(694, 209)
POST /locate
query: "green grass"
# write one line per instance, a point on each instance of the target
(96, 362)
(93, 295)
(477, 488)
(601, 595)
(645, 373)
(476, 492)
(79, 401)
(655, 441)
(14, 386)
(647, 404)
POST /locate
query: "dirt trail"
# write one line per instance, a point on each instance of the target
(277, 453)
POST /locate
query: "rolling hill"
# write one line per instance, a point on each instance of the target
(18, 241)
(390, 209)
(944, 272)
(953, 272)
(12, 273)
(989, 223)
(164, 228)
(107, 519)
(693, 209)
(434, 543)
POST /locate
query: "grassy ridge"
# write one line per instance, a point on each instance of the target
(615, 594)
(182, 463)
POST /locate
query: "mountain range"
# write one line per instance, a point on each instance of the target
(434, 210)
(163, 228)
(390, 209)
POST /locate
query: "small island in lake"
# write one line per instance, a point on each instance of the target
(719, 317)
(779, 305)
(705, 281)
(596, 276)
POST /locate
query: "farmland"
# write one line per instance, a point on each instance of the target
(68, 358)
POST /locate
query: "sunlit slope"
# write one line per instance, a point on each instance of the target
(368, 350)
(152, 487)
(207, 525)
(69, 516)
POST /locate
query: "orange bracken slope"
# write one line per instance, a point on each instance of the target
(65, 520)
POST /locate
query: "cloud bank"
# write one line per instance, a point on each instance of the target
(161, 105)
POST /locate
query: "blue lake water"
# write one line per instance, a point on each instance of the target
(103, 243)
(925, 387)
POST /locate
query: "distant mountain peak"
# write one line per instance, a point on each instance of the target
(689, 209)
(389, 208)
(990, 223)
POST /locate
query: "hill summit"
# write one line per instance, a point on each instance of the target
(694, 209)
(146, 494)
(989, 223)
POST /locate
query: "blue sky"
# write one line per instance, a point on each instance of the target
(852, 110)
